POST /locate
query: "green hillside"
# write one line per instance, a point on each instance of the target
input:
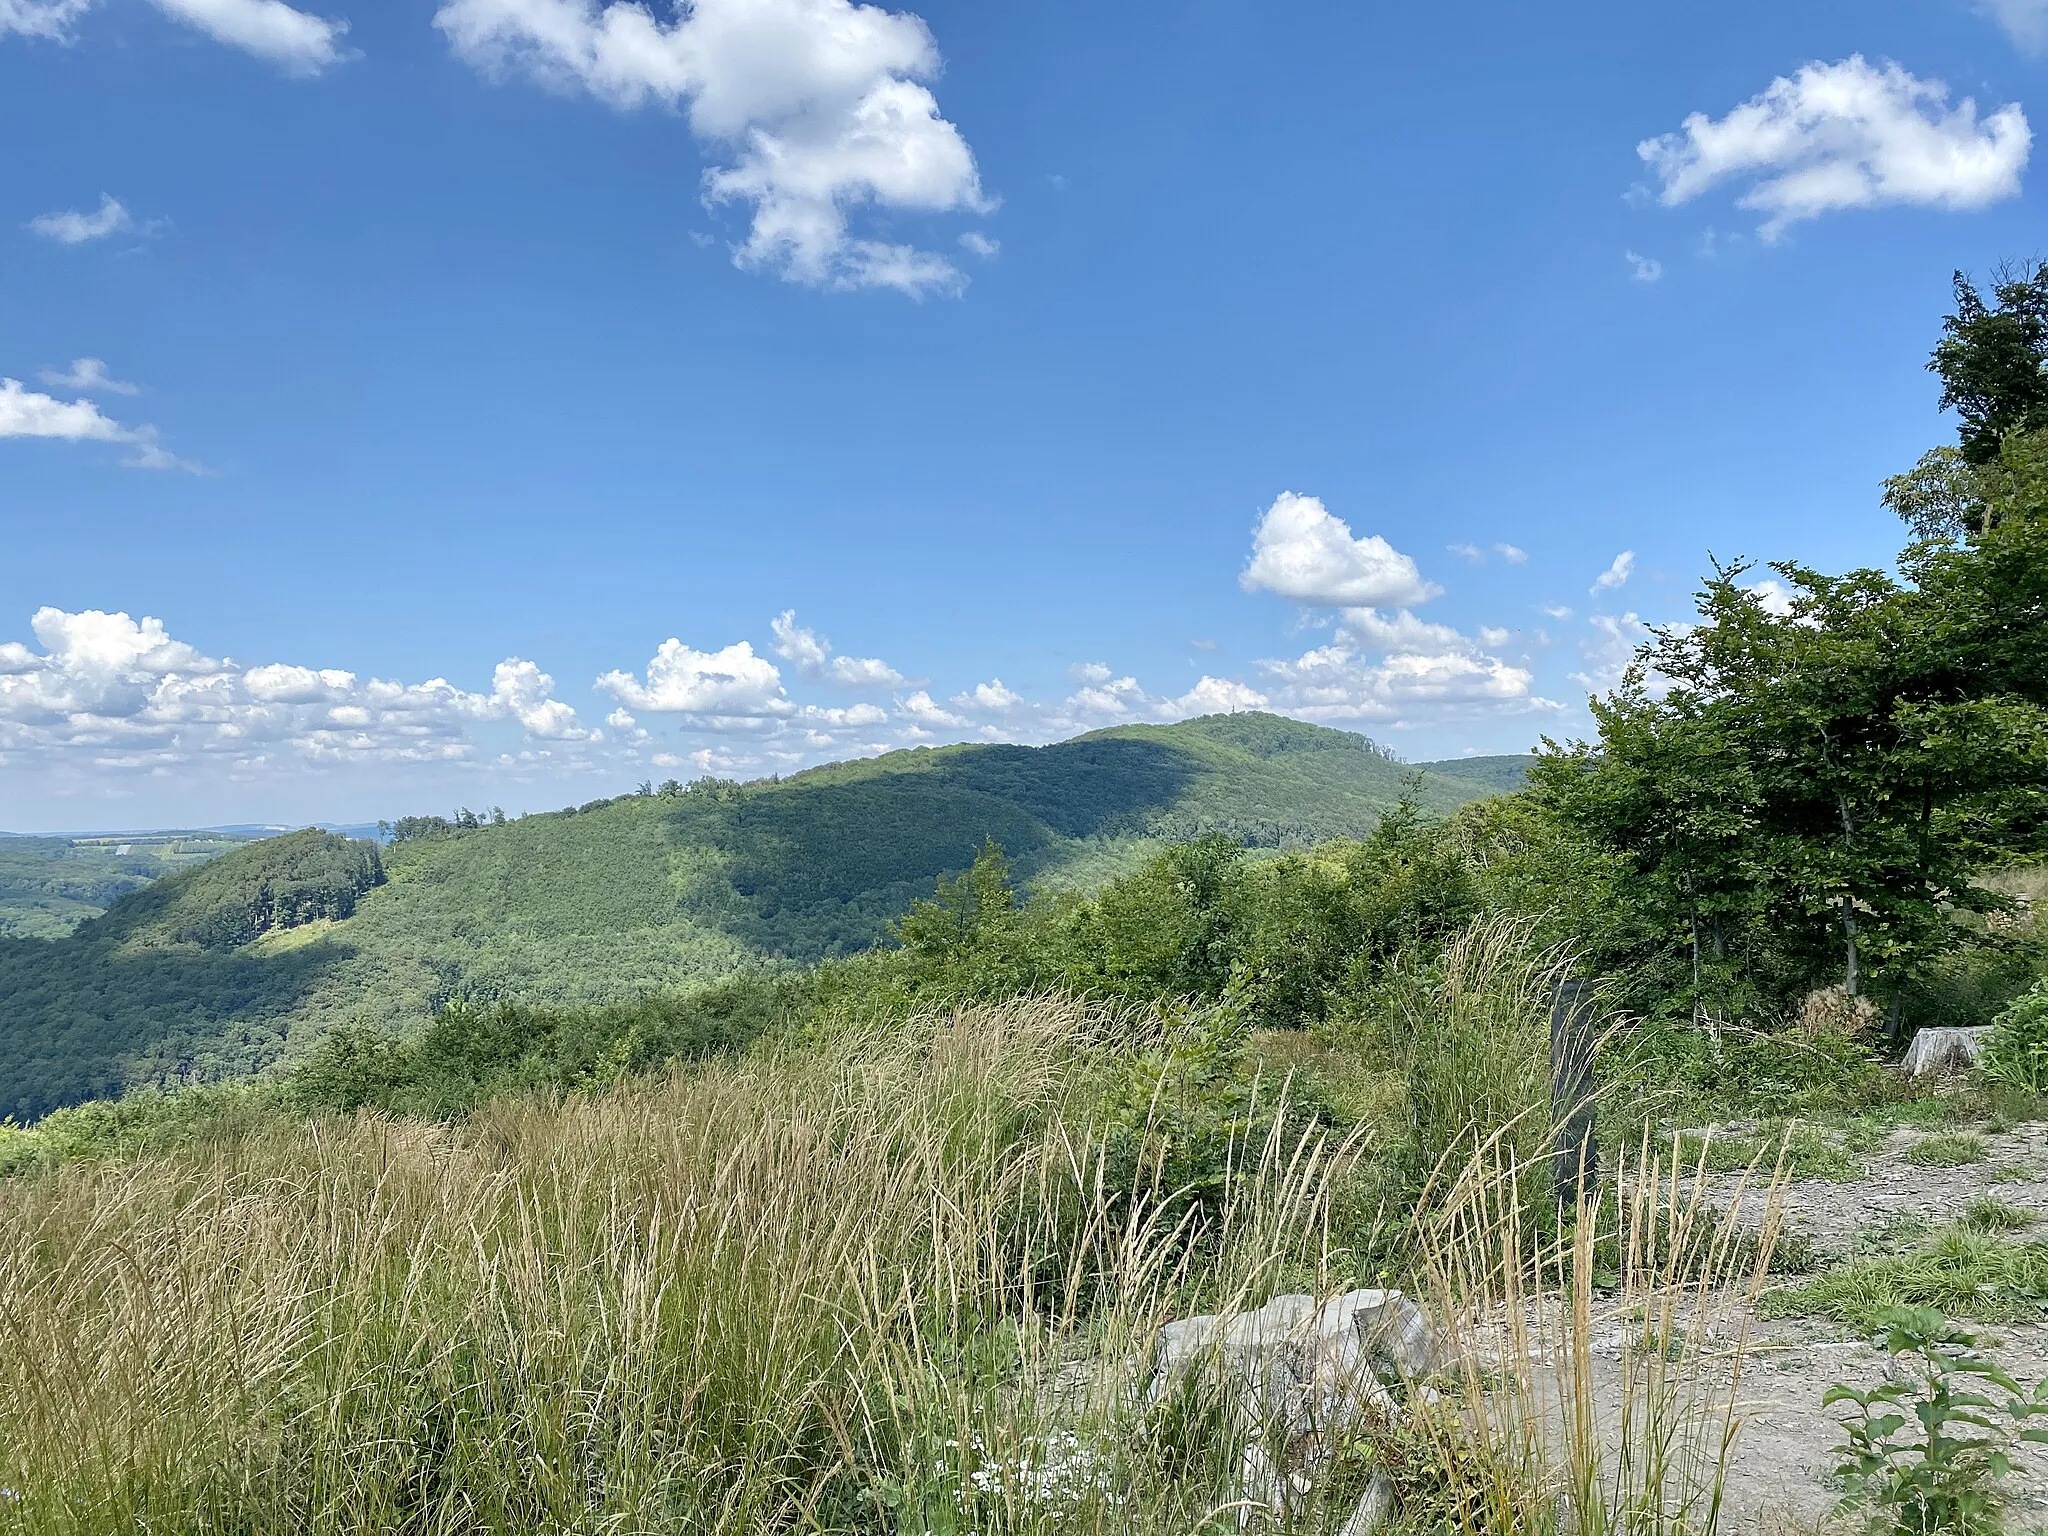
(218, 970)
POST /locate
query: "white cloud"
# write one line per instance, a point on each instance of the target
(1403, 632)
(817, 102)
(1490, 636)
(722, 687)
(298, 43)
(1557, 611)
(1470, 552)
(1341, 682)
(29, 413)
(923, 711)
(86, 374)
(1614, 576)
(1773, 595)
(74, 228)
(1845, 135)
(47, 19)
(1300, 551)
(1112, 700)
(990, 698)
(1218, 696)
(2026, 21)
(1511, 553)
(811, 654)
(522, 690)
(1089, 672)
(122, 693)
(1643, 269)
(981, 245)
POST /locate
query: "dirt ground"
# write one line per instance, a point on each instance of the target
(1782, 1457)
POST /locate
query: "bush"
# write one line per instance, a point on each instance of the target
(2016, 1055)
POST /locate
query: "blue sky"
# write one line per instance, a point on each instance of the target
(467, 393)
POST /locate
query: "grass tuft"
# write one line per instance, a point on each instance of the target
(1960, 1272)
(1949, 1150)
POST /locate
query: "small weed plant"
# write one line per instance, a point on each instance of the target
(1924, 1452)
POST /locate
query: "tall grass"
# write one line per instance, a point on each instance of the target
(782, 1294)
(887, 1282)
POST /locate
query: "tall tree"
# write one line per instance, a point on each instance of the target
(1993, 360)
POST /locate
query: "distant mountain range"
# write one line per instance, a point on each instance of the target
(217, 969)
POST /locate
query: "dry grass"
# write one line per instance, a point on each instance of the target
(885, 1284)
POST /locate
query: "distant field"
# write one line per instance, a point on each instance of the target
(49, 885)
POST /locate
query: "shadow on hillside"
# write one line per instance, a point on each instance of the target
(821, 869)
(81, 1019)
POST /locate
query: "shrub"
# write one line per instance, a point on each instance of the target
(2017, 1052)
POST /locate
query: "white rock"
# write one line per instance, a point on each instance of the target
(1373, 1509)
(1944, 1050)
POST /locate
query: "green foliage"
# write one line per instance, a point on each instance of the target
(1667, 1070)
(2016, 1053)
(1993, 360)
(1925, 1450)
(469, 1055)
(279, 883)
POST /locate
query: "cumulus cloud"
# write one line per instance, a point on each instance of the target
(1643, 269)
(1112, 700)
(923, 711)
(1511, 554)
(817, 105)
(1300, 550)
(811, 654)
(1347, 682)
(1402, 632)
(1614, 576)
(71, 227)
(295, 41)
(86, 375)
(2026, 21)
(1845, 135)
(990, 698)
(732, 686)
(26, 412)
(122, 692)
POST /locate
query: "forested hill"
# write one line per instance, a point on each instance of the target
(216, 970)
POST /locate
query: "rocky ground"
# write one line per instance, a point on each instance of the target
(1783, 1456)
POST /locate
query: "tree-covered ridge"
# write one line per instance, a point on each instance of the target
(274, 885)
(219, 970)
